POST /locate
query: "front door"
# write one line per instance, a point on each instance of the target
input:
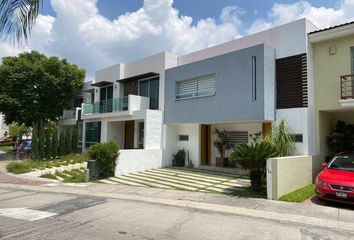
(205, 145)
(129, 135)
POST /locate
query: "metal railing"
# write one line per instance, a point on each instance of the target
(106, 106)
(347, 86)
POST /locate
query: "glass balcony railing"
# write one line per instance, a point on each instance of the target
(106, 106)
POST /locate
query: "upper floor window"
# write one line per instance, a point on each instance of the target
(150, 88)
(196, 87)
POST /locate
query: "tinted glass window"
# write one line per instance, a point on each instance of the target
(345, 162)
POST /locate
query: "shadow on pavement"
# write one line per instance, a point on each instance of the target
(317, 201)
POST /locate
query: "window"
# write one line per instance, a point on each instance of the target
(298, 138)
(106, 102)
(92, 133)
(183, 137)
(150, 88)
(196, 87)
(254, 79)
(237, 137)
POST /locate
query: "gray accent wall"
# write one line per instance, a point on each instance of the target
(233, 101)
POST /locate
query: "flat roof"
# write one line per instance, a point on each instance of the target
(140, 76)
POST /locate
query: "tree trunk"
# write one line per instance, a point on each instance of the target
(256, 179)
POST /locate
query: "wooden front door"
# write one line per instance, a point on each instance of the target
(205, 145)
(129, 135)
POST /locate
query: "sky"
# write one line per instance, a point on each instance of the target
(95, 34)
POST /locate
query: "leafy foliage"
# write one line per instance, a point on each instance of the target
(62, 143)
(54, 148)
(222, 142)
(106, 154)
(68, 140)
(41, 140)
(74, 139)
(34, 146)
(282, 138)
(342, 138)
(253, 156)
(179, 158)
(48, 144)
(17, 18)
(34, 87)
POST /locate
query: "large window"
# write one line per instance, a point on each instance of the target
(106, 99)
(92, 133)
(150, 88)
(196, 87)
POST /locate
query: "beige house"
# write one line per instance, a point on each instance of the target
(333, 86)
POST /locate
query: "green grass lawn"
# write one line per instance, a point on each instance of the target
(300, 195)
(7, 149)
(249, 193)
(19, 167)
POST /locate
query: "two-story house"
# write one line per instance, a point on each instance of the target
(332, 54)
(241, 86)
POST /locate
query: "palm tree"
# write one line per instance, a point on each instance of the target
(253, 156)
(17, 17)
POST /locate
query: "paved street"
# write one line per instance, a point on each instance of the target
(101, 211)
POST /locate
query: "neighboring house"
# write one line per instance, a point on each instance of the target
(333, 71)
(3, 127)
(156, 105)
(241, 86)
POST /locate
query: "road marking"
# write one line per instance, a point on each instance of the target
(25, 214)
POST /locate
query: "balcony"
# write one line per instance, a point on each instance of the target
(70, 117)
(347, 90)
(117, 106)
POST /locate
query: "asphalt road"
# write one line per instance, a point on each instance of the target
(96, 216)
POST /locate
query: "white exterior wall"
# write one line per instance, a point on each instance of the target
(278, 37)
(110, 74)
(153, 129)
(297, 119)
(3, 127)
(251, 128)
(116, 132)
(131, 161)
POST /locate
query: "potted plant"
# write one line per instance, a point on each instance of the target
(253, 156)
(222, 144)
(179, 158)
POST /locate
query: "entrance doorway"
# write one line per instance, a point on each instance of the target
(129, 135)
(205, 145)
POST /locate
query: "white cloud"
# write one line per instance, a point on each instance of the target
(320, 16)
(84, 36)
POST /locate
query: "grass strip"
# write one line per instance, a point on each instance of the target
(300, 195)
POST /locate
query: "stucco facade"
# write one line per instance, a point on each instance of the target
(332, 58)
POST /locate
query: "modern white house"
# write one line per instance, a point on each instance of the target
(157, 105)
(3, 127)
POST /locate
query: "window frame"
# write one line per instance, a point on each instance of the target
(352, 59)
(195, 94)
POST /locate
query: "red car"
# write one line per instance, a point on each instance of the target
(336, 181)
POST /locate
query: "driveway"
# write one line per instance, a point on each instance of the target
(183, 179)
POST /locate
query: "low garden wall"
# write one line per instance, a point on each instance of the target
(287, 174)
(130, 161)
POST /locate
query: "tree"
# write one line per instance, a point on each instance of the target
(48, 144)
(222, 142)
(17, 18)
(68, 140)
(34, 87)
(34, 149)
(253, 156)
(41, 141)
(62, 149)
(75, 139)
(54, 149)
(282, 138)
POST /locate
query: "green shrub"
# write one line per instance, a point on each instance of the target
(282, 138)
(54, 148)
(48, 175)
(74, 140)
(48, 145)
(62, 149)
(68, 141)
(34, 149)
(179, 158)
(41, 141)
(18, 167)
(106, 154)
(7, 144)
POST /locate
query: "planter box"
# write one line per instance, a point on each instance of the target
(221, 162)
